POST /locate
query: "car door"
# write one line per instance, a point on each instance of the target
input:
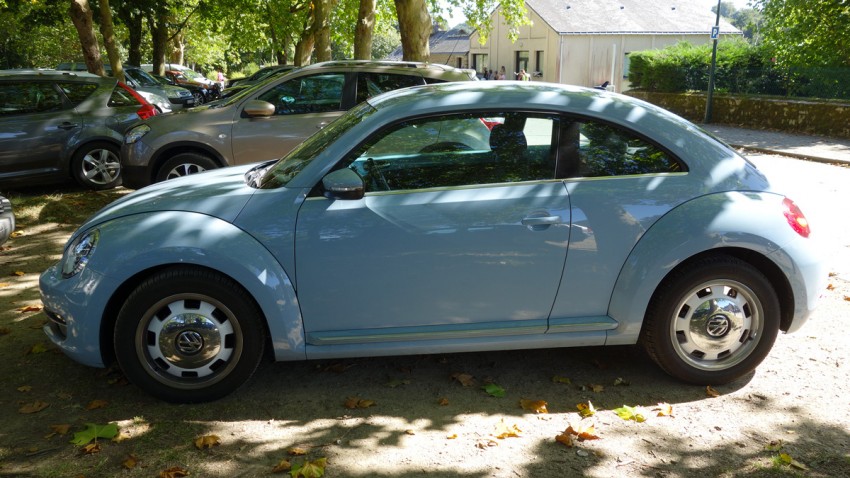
(303, 105)
(458, 236)
(35, 127)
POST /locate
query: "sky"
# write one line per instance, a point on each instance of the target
(457, 17)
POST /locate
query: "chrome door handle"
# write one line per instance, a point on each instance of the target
(541, 221)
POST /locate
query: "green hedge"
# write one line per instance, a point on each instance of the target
(741, 68)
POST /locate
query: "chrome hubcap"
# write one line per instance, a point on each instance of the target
(190, 338)
(184, 170)
(717, 325)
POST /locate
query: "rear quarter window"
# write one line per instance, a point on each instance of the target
(121, 97)
(77, 92)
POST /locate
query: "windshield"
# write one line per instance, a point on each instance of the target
(141, 77)
(284, 170)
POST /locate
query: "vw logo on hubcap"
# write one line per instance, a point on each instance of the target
(190, 342)
(717, 326)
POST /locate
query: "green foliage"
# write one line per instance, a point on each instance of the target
(93, 432)
(805, 33)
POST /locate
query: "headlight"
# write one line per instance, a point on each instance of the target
(78, 253)
(135, 134)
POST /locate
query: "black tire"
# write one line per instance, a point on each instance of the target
(712, 322)
(189, 335)
(97, 166)
(184, 164)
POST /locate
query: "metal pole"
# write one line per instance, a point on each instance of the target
(710, 96)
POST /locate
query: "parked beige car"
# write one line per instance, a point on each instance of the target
(266, 121)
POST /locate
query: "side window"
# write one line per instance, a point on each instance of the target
(121, 97)
(458, 150)
(28, 97)
(605, 150)
(77, 92)
(307, 94)
(373, 84)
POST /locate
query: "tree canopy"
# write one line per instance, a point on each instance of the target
(807, 33)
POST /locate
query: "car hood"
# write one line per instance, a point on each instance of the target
(220, 193)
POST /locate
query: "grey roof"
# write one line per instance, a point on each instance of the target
(628, 16)
(451, 42)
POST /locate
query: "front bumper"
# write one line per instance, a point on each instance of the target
(75, 310)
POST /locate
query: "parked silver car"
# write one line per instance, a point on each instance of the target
(7, 220)
(59, 125)
(265, 121)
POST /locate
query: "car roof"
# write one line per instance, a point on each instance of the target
(430, 70)
(51, 75)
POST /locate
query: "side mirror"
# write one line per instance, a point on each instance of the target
(257, 108)
(343, 184)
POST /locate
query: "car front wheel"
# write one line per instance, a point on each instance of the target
(712, 322)
(189, 335)
(184, 164)
(96, 166)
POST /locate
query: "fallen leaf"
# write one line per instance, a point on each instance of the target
(847, 298)
(15, 234)
(30, 308)
(828, 287)
(711, 392)
(487, 443)
(619, 381)
(586, 410)
(409, 432)
(19, 273)
(786, 458)
(310, 469)
(3, 285)
(25, 388)
(503, 430)
(443, 402)
(130, 462)
(355, 402)
(33, 407)
(465, 379)
(283, 466)
(566, 438)
(95, 404)
(207, 441)
(297, 451)
(630, 413)
(664, 410)
(587, 432)
(452, 436)
(93, 432)
(596, 387)
(774, 445)
(494, 390)
(91, 448)
(60, 429)
(173, 472)
(536, 406)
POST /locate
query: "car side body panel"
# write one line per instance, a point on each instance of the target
(741, 220)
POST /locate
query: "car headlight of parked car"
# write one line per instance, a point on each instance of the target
(134, 134)
(78, 253)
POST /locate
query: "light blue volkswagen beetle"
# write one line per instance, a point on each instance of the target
(445, 218)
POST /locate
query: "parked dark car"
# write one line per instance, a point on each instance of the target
(199, 93)
(7, 219)
(59, 125)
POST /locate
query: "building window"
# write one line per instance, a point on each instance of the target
(626, 63)
(459, 62)
(521, 63)
(480, 61)
(538, 63)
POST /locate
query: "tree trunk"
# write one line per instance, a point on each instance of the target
(81, 15)
(321, 29)
(159, 39)
(364, 29)
(415, 28)
(304, 47)
(133, 21)
(108, 33)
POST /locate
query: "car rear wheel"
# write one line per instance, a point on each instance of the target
(185, 164)
(189, 335)
(712, 322)
(96, 166)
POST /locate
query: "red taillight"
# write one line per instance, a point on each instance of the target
(147, 110)
(796, 218)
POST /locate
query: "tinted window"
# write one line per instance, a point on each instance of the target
(122, 97)
(373, 84)
(459, 150)
(307, 94)
(28, 97)
(77, 92)
(141, 77)
(605, 150)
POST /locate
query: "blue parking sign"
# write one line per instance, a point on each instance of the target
(715, 32)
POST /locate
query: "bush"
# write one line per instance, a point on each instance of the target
(740, 68)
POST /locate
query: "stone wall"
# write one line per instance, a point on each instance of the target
(793, 116)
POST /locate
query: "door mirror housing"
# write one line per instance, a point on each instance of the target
(343, 184)
(258, 108)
